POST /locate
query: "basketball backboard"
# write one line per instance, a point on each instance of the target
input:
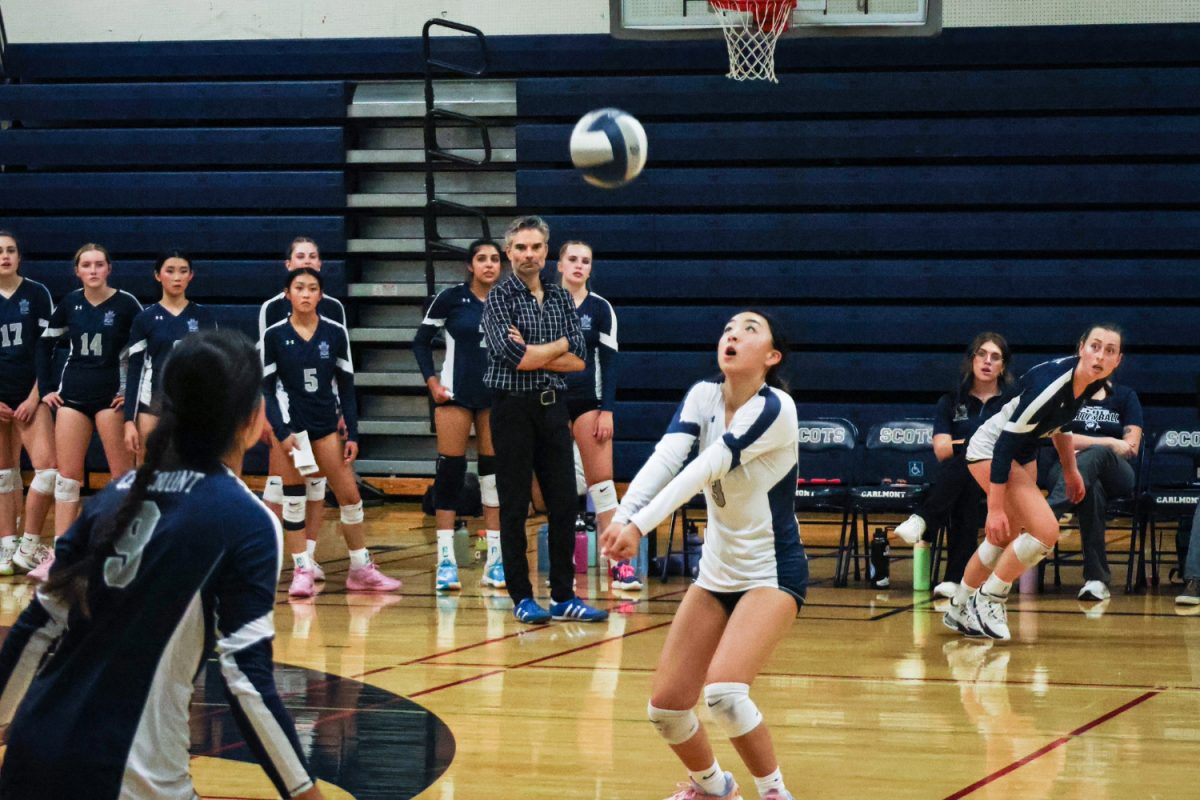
(692, 19)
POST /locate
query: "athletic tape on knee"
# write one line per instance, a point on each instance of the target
(43, 481)
(1029, 550)
(66, 490)
(293, 507)
(488, 493)
(7, 485)
(989, 553)
(315, 490)
(732, 708)
(273, 491)
(18, 485)
(448, 479)
(676, 727)
(352, 514)
(604, 496)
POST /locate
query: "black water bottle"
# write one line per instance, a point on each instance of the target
(879, 570)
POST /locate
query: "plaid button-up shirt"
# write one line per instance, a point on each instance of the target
(511, 303)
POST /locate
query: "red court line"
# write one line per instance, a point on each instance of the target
(1059, 742)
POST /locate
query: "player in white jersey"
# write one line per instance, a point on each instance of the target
(753, 571)
(1002, 457)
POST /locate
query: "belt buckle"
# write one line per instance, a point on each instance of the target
(547, 397)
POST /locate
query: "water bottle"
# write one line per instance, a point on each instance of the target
(921, 556)
(581, 546)
(879, 568)
(481, 547)
(462, 543)
(589, 525)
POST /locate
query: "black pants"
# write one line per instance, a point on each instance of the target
(1106, 476)
(956, 498)
(533, 438)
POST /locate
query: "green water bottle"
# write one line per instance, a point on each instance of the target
(921, 566)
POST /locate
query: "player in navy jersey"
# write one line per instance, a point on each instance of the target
(753, 571)
(461, 400)
(95, 320)
(1002, 457)
(303, 356)
(302, 252)
(164, 567)
(983, 388)
(155, 332)
(592, 393)
(25, 310)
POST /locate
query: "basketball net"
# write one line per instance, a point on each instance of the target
(752, 28)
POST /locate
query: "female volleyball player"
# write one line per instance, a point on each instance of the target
(96, 675)
(1049, 396)
(592, 393)
(753, 572)
(25, 310)
(461, 399)
(302, 357)
(983, 379)
(96, 319)
(155, 331)
(302, 252)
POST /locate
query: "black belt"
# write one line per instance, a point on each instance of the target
(546, 397)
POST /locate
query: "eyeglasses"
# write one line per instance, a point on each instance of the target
(989, 356)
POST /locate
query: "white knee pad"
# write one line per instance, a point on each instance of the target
(487, 491)
(7, 485)
(604, 496)
(580, 479)
(1029, 550)
(732, 708)
(66, 490)
(293, 510)
(315, 490)
(676, 727)
(273, 491)
(352, 514)
(43, 481)
(989, 553)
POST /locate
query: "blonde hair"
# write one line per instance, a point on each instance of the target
(299, 240)
(99, 248)
(562, 251)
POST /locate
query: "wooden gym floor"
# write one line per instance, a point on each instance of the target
(448, 698)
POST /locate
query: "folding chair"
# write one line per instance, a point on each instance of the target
(893, 475)
(1172, 490)
(828, 450)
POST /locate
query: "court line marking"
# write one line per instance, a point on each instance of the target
(1054, 745)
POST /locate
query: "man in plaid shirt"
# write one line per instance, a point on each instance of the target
(533, 335)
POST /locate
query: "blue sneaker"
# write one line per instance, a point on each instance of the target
(447, 576)
(529, 612)
(493, 576)
(577, 610)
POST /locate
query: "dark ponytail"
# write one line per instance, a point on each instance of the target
(779, 342)
(212, 386)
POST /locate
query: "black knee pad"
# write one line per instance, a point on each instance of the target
(448, 482)
(487, 465)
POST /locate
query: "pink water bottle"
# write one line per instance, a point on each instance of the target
(581, 547)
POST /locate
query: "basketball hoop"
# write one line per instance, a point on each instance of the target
(752, 27)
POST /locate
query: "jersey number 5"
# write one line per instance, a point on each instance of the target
(310, 380)
(122, 568)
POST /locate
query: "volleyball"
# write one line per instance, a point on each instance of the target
(609, 147)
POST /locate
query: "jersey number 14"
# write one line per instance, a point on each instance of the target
(94, 347)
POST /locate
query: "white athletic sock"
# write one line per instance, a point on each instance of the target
(996, 587)
(360, 558)
(301, 561)
(493, 543)
(29, 543)
(772, 781)
(711, 780)
(445, 540)
(310, 546)
(963, 592)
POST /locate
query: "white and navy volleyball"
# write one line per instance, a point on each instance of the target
(609, 147)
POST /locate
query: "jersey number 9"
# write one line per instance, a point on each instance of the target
(122, 568)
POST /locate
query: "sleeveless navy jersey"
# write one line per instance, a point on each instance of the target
(278, 308)
(306, 372)
(598, 380)
(106, 716)
(154, 333)
(24, 317)
(459, 313)
(98, 338)
(1044, 405)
